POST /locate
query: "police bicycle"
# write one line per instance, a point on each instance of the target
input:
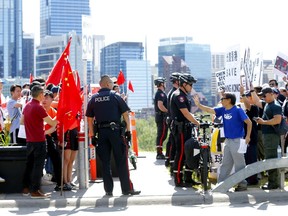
(205, 162)
(205, 155)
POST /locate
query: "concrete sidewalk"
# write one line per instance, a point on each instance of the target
(156, 185)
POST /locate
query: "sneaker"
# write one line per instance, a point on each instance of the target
(240, 188)
(160, 156)
(132, 192)
(57, 188)
(39, 195)
(269, 187)
(108, 194)
(67, 187)
(2, 180)
(48, 177)
(26, 192)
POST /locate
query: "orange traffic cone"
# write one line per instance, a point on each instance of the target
(133, 133)
(92, 161)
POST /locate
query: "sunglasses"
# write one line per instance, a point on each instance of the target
(223, 98)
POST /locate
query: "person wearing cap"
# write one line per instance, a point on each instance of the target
(252, 111)
(170, 146)
(33, 118)
(161, 111)
(234, 118)
(272, 114)
(14, 107)
(181, 127)
(274, 84)
(2, 111)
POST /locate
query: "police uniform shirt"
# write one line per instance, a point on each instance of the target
(106, 106)
(160, 96)
(179, 101)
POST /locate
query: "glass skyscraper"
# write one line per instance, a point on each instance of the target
(59, 17)
(196, 56)
(10, 38)
(128, 57)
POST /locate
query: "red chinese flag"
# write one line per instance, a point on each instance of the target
(55, 74)
(31, 78)
(130, 86)
(70, 103)
(120, 78)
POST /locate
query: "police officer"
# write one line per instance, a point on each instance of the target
(161, 111)
(107, 107)
(170, 146)
(181, 128)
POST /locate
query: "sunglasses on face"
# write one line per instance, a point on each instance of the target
(223, 98)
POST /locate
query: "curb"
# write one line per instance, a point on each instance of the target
(123, 201)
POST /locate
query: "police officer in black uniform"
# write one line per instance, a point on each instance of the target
(181, 128)
(170, 146)
(161, 111)
(106, 107)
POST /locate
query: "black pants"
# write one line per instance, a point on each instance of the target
(55, 156)
(162, 130)
(110, 140)
(181, 135)
(36, 154)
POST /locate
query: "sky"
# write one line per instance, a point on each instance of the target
(258, 24)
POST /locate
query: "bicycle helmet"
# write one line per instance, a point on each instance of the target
(175, 76)
(187, 78)
(159, 80)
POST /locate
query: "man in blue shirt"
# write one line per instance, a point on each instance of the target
(233, 122)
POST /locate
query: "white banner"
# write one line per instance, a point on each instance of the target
(220, 79)
(232, 70)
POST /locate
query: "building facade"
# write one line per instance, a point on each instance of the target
(128, 57)
(50, 49)
(58, 17)
(196, 56)
(10, 38)
(28, 55)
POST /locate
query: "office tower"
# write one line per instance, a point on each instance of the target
(196, 56)
(128, 57)
(59, 17)
(28, 55)
(10, 38)
(98, 44)
(50, 49)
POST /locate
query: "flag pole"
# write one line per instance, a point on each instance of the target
(62, 156)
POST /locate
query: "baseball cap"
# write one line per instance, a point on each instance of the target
(55, 89)
(265, 91)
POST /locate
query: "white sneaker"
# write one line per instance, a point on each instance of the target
(2, 180)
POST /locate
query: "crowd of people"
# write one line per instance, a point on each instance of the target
(249, 121)
(32, 110)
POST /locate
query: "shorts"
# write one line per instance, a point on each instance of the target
(71, 140)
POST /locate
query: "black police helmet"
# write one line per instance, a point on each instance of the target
(187, 78)
(159, 80)
(175, 76)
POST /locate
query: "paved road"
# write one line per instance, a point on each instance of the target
(153, 179)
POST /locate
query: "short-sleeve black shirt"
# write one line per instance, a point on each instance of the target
(106, 106)
(179, 100)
